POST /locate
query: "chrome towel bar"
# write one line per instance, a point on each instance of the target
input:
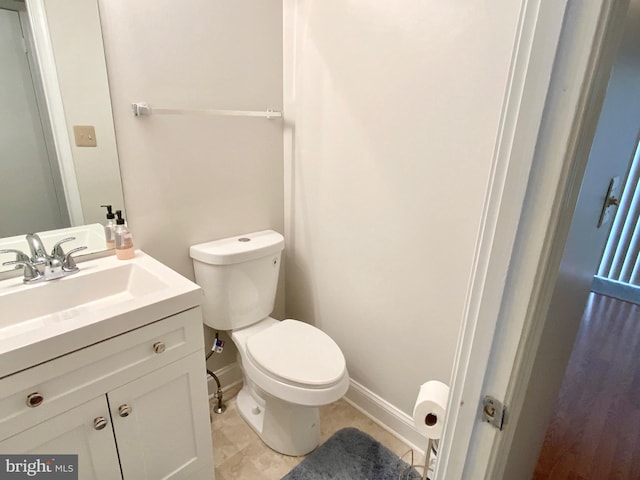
(143, 110)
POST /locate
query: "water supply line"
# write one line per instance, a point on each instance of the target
(220, 408)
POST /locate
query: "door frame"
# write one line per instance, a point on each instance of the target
(46, 62)
(541, 153)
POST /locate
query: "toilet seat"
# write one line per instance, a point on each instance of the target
(297, 353)
(265, 367)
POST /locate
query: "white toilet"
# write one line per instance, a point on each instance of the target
(290, 368)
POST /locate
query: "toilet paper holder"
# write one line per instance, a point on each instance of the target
(429, 462)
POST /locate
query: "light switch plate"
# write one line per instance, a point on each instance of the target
(85, 135)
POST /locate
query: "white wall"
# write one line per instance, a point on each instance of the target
(395, 113)
(74, 29)
(190, 179)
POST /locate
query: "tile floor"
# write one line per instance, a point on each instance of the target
(239, 453)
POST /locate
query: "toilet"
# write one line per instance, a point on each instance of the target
(290, 368)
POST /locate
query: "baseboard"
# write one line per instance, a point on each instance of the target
(361, 398)
(229, 376)
(392, 419)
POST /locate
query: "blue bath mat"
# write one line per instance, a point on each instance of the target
(351, 455)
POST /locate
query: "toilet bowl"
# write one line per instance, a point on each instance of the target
(290, 368)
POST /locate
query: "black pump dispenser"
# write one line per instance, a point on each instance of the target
(124, 240)
(110, 215)
(110, 228)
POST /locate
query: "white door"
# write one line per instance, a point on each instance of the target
(162, 423)
(74, 432)
(513, 303)
(611, 152)
(29, 201)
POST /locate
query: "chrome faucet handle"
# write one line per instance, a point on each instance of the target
(31, 272)
(57, 251)
(69, 264)
(36, 248)
(20, 255)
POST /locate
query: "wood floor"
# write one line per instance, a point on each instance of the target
(595, 430)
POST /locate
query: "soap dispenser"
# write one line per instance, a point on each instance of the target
(110, 227)
(124, 239)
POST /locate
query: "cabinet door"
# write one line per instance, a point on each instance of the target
(73, 432)
(161, 423)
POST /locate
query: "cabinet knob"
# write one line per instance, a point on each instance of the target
(34, 400)
(99, 423)
(159, 347)
(124, 410)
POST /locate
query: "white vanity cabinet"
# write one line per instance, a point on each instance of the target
(167, 434)
(132, 407)
(73, 432)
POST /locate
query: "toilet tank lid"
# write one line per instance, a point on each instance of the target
(238, 249)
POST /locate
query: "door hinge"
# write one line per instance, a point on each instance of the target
(494, 412)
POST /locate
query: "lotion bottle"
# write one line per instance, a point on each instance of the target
(124, 239)
(110, 228)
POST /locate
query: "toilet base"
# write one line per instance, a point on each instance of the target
(285, 427)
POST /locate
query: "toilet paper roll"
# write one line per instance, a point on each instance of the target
(430, 408)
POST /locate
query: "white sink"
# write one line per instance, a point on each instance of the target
(105, 298)
(23, 308)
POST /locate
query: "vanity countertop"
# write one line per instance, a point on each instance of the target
(106, 298)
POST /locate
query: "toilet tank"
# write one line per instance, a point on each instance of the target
(239, 277)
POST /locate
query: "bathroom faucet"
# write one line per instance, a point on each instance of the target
(36, 248)
(41, 266)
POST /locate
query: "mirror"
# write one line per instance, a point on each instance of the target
(54, 104)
